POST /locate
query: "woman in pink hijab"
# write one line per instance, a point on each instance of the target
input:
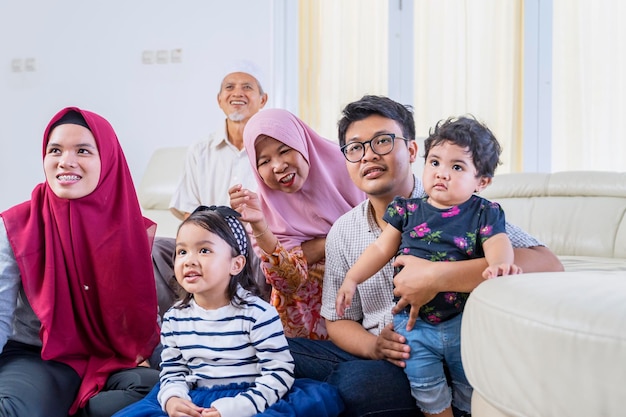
(78, 310)
(303, 187)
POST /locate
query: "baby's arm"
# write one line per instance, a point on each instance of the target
(499, 256)
(373, 258)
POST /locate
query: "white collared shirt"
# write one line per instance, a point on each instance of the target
(212, 166)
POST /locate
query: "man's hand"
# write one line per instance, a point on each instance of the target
(414, 285)
(392, 346)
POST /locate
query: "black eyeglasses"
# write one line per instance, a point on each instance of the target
(381, 145)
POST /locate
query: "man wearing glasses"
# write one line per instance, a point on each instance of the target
(364, 357)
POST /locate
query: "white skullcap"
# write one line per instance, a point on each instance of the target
(248, 67)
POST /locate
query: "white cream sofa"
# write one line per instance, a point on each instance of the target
(157, 186)
(554, 344)
(534, 345)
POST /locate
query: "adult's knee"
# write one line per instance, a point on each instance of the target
(30, 386)
(163, 265)
(11, 406)
(139, 380)
(373, 388)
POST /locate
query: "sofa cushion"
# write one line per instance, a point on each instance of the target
(578, 213)
(547, 344)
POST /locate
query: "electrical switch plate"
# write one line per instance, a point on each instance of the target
(29, 65)
(177, 56)
(147, 57)
(162, 56)
(16, 65)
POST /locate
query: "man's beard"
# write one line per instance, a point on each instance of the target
(236, 116)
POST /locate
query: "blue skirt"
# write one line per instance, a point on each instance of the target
(306, 398)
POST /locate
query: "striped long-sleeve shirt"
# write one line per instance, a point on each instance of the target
(233, 344)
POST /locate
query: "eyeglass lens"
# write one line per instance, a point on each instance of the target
(381, 145)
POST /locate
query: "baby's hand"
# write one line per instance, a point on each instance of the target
(344, 296)
(493, 271)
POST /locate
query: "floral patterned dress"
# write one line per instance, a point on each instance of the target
(453, 234)
(296, 291)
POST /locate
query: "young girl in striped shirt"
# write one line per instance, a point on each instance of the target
(224, 349)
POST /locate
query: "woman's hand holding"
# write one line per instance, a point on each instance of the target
(247, 203)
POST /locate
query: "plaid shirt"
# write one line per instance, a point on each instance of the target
(351, 234)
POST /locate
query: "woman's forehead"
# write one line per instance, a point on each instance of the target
(264, 141)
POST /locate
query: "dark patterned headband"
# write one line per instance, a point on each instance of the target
(231, 217)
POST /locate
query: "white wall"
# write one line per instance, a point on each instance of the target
(89, 54)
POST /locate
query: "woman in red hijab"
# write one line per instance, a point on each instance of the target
(78, 310)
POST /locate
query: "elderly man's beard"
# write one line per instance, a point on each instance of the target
(236, 116)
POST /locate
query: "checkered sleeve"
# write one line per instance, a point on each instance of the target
(519, 238)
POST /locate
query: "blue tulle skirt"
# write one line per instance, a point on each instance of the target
(306, 398)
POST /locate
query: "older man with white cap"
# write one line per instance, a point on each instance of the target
(213, 165)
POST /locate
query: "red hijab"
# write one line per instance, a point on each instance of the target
(86, 268)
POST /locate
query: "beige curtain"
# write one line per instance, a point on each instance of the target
(343, 55)
(468, 59)
(589, 85)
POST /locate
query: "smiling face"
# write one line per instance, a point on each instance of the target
(282, 168)
(240, 97)
(203, 265)
(387, 176)
(450, 177)
(72, 162)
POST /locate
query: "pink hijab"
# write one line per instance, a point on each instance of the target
(86, 268)
(327, 193)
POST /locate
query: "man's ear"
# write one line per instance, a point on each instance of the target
(263, 100)
(483, 182)
(413, 148)
(237, 264)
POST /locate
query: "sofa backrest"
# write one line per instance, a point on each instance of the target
(576, 213)
(157, 186)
